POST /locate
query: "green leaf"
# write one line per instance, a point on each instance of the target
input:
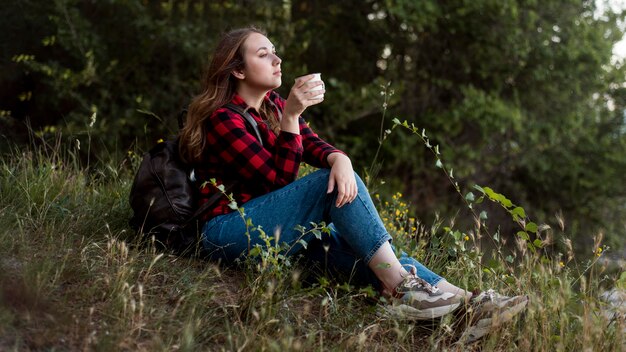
(483, 215)
(221, 188)
(490, 193)
(317, 233)
(469, 197)
(621, 282)
(505, 201)
(255, 252)
(537, 243)
(531, 227)
(439, 164)
(303, 243)
(396, 121)
(493, 264)
(383, 266)
(523, 235)
(509, 258)
(233, 205)
(519, 211)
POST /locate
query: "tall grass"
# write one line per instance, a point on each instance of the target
(73, 278)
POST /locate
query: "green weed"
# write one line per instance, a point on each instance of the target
(73, 278)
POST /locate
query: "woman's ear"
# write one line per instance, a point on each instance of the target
(238, 74)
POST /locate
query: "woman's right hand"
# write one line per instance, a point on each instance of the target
(300, 96)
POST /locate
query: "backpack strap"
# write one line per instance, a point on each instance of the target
(249, 119)
(238, 109)
(214, 198)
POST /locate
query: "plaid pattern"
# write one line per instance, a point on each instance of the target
(233, 153)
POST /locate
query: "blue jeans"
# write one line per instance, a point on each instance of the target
(357, 231)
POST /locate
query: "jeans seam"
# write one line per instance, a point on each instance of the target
(384, 237)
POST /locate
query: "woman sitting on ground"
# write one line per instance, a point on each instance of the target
(244, 71)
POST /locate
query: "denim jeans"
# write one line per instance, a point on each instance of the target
(357, 231)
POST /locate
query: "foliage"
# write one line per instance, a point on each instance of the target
(70, 280)
(524, 95)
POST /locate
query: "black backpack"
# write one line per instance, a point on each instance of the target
(164, 198)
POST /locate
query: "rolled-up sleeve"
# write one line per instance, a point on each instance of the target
(316, 150)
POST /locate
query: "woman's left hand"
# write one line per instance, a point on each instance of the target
(342, 177)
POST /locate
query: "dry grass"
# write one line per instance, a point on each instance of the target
(71, 278)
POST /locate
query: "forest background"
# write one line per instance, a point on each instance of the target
(525, 97)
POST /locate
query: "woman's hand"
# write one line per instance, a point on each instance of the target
(300, 96)
(342, 177)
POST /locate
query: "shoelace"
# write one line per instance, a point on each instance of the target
(414, 280)
(490, 294)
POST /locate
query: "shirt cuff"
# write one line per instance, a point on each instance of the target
(290, 140)
(326, 154)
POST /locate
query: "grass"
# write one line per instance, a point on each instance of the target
(73, 278)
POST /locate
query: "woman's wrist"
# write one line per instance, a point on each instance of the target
(334, 156)
(290, 124)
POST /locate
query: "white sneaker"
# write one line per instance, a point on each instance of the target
(488, 310)
(416, 299)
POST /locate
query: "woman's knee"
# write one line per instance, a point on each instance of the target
(319, 176)
(360, 184)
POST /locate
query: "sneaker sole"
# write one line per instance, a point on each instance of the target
(485, 325)
(406, 312)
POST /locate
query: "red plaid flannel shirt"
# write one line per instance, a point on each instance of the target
(233, 153)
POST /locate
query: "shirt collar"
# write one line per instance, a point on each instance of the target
(238, 100)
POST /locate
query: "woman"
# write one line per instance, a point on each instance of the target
(244, 71)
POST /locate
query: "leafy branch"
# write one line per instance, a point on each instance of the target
(517, 213)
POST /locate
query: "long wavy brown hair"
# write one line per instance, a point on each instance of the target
(218, 88)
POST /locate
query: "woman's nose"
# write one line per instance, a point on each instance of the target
(277, 60)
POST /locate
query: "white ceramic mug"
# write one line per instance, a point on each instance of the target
(316, 77)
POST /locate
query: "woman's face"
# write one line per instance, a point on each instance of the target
(262, 65)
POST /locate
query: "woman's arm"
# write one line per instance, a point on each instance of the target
(316, 150)
(342, 177)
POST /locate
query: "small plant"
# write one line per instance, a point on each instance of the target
(70, 279)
